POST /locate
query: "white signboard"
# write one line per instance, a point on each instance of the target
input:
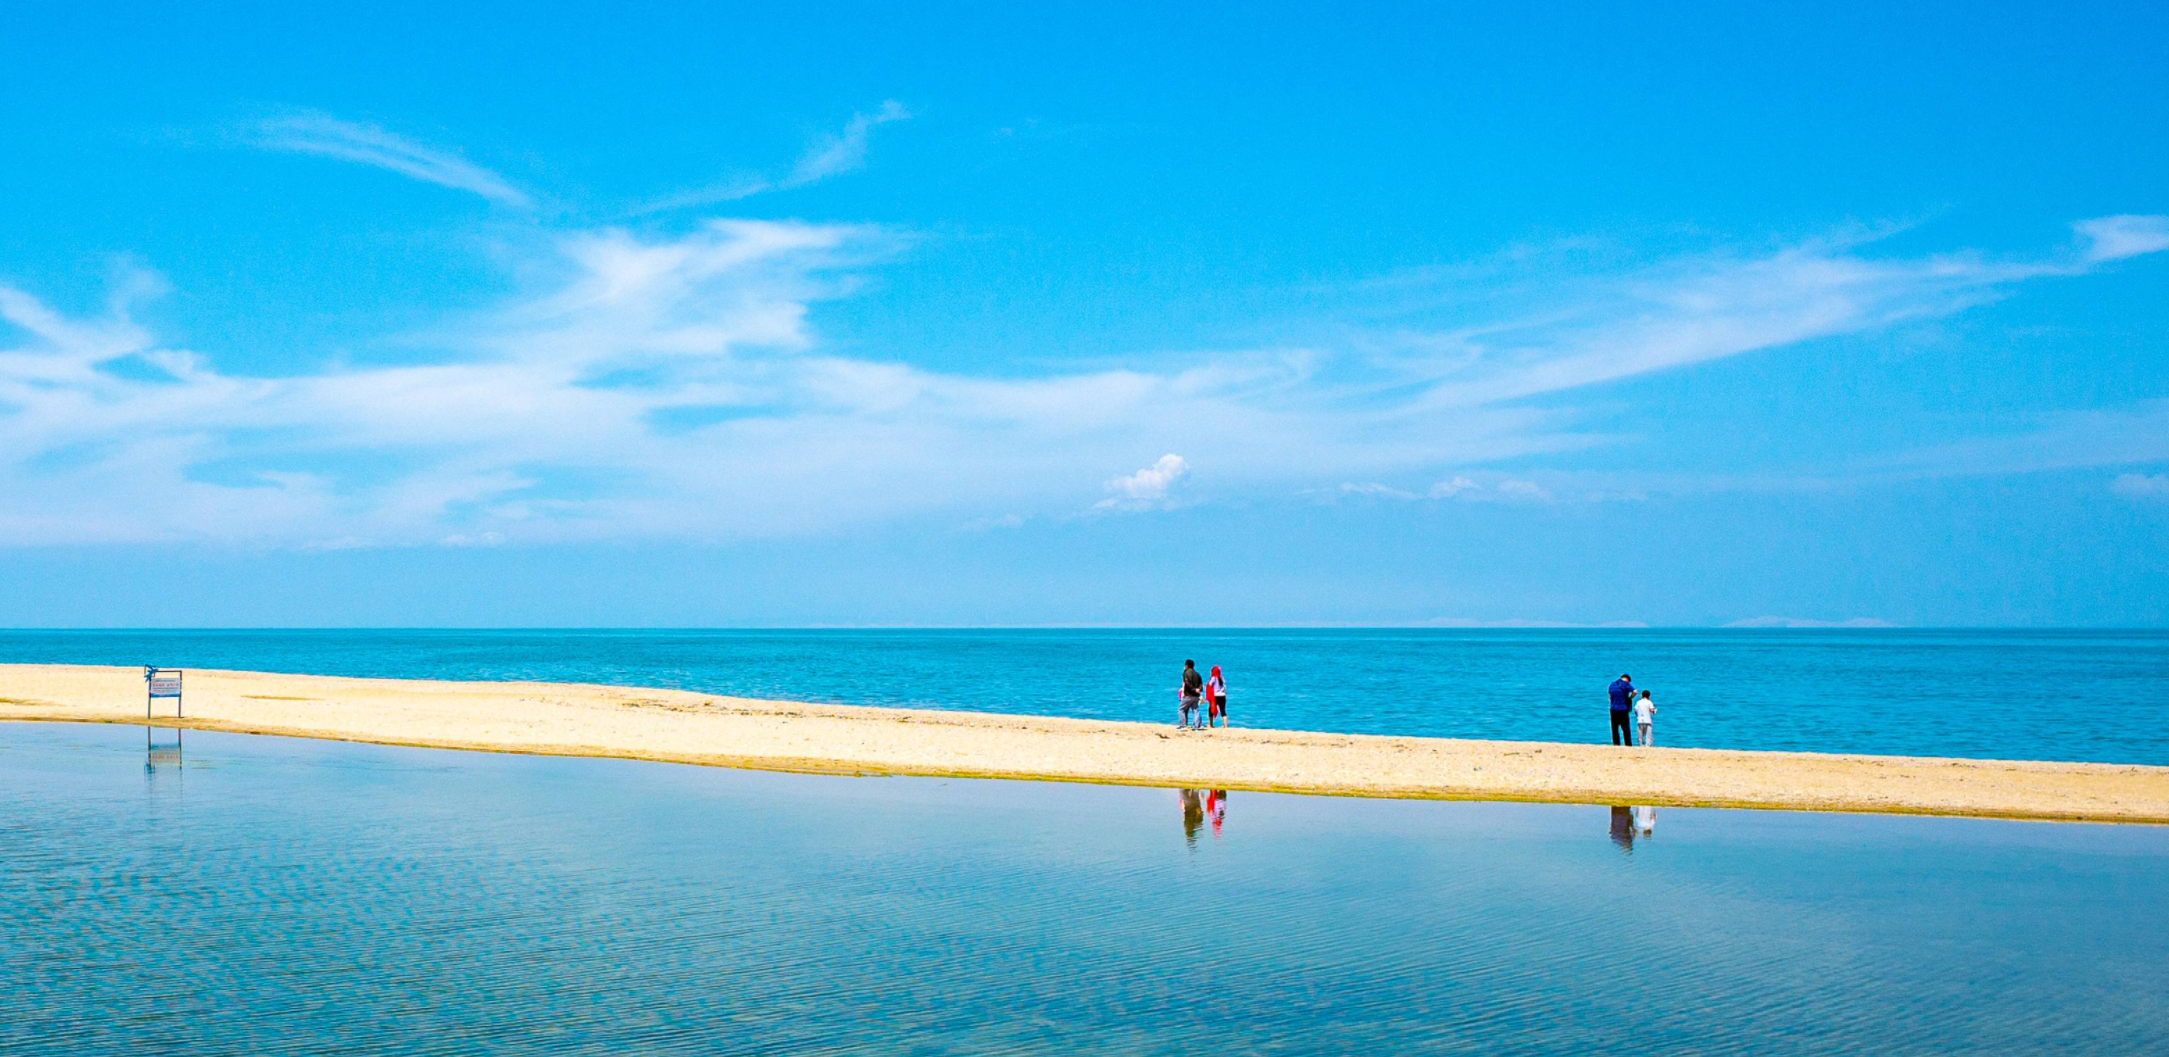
(166, 684)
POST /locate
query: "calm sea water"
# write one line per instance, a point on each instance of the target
(266, 896)
(2061, 695)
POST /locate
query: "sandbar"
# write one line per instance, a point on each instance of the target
(696, 728)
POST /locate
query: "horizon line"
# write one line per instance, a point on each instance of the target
(1504, 626)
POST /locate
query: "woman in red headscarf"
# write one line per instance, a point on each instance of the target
(1216, 700)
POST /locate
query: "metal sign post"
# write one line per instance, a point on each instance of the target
(161, 682)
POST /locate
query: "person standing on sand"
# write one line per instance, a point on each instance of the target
(1193, 687)
(1216, 700)
(1645, 713)
(1622, 700)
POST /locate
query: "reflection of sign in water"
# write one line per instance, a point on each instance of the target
(156, 755)
(166, 684)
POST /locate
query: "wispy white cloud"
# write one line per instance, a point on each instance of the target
(2115, 238)
(1493, 488)
(1522, 492)
(1375, 490)
(330, 137)
(1697, 310)
(828, 155)
(846, 150)
(1457, 485)
(678, 387)
(662, 387)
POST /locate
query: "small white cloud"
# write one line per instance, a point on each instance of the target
(1457, 486)
(1805, 622)
(1523, 491)
(2130, 235)
(330, 137)
(1146, 487)
(2141, 486)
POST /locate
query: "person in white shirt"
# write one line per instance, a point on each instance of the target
(1645, 713)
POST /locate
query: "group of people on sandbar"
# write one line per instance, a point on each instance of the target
(1199, 692)
(1204, 705)
(1627, 708)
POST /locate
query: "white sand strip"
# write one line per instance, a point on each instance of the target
(677, 726)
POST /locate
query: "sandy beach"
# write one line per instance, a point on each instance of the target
(684, 727)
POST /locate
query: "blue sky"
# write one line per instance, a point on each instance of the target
(1242, 314)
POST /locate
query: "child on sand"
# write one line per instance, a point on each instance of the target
(1645, 713)
(1216, 700)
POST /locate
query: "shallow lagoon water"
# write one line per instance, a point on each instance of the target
(265, 895)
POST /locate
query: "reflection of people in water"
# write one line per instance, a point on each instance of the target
(1216, 808)
(1623, 826)
(1645, 819)
(1193, 815)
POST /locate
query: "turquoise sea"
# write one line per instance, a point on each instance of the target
(2058, 695)
(249, 895)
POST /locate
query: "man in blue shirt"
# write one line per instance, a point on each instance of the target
(1622, 700)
